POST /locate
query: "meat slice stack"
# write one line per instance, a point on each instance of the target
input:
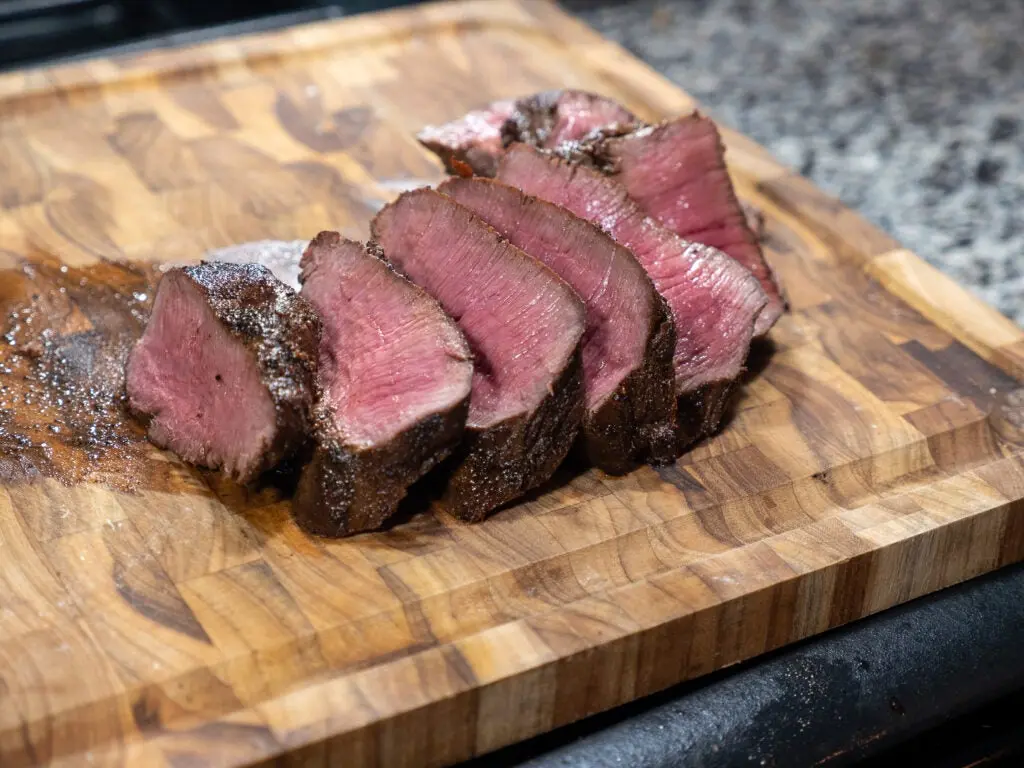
(714, 301)
(395, 375)
(525, 327)
(629, 339)
(676, 172)
(225, 369)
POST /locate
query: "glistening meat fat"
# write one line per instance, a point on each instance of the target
(525, 327)
(395, 375)
(225, 369)
(714, 301)
(630, 338)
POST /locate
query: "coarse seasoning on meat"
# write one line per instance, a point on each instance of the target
(281, 257)
(395, 376)
(225, 369)
(630, 338)
(525, 327)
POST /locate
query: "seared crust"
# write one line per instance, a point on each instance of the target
(282, 331)
(535, 117)
(497, 465)
(702, 411)
(637, 422)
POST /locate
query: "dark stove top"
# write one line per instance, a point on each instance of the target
(37, 31)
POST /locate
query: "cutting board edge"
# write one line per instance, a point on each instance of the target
(538, 681)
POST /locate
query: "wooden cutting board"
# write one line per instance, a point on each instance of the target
(875, 456)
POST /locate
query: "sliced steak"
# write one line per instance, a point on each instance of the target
(676, 172)
(628, 377)
(525, 327)
(395, 375)
(551, 118)
(226, 367)
(545, 120)
(714, 301)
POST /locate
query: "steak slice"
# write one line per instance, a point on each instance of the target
(525, 327)
(676, 172)
(628, 377)
(545, 120)
(226, 367)
(395, 375)
(714, 301)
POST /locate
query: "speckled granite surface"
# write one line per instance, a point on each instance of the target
(911, 111)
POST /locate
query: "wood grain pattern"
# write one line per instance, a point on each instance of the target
(874, 457)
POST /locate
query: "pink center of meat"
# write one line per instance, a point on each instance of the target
(388, 356)
(612, 284)
(200, 384)
(521, 321)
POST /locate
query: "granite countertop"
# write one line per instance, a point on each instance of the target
(910, 112)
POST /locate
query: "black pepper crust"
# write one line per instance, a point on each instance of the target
(536, 116)
(637, 421)
(345, 490)
(497, 465)
(281, 330)
(703, 410)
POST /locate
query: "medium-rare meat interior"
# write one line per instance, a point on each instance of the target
(525, 328)
(545, 120)
(714, 301)
(630, 338)
(395, 375)
(225, 369)
(676, 172)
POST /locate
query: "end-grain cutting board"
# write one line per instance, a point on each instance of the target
(874, 457)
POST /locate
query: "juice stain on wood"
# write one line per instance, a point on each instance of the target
(65, 336)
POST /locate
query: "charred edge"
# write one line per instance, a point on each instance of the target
(497, 465)
(344, 491)
(638, 421)
(702, 411)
